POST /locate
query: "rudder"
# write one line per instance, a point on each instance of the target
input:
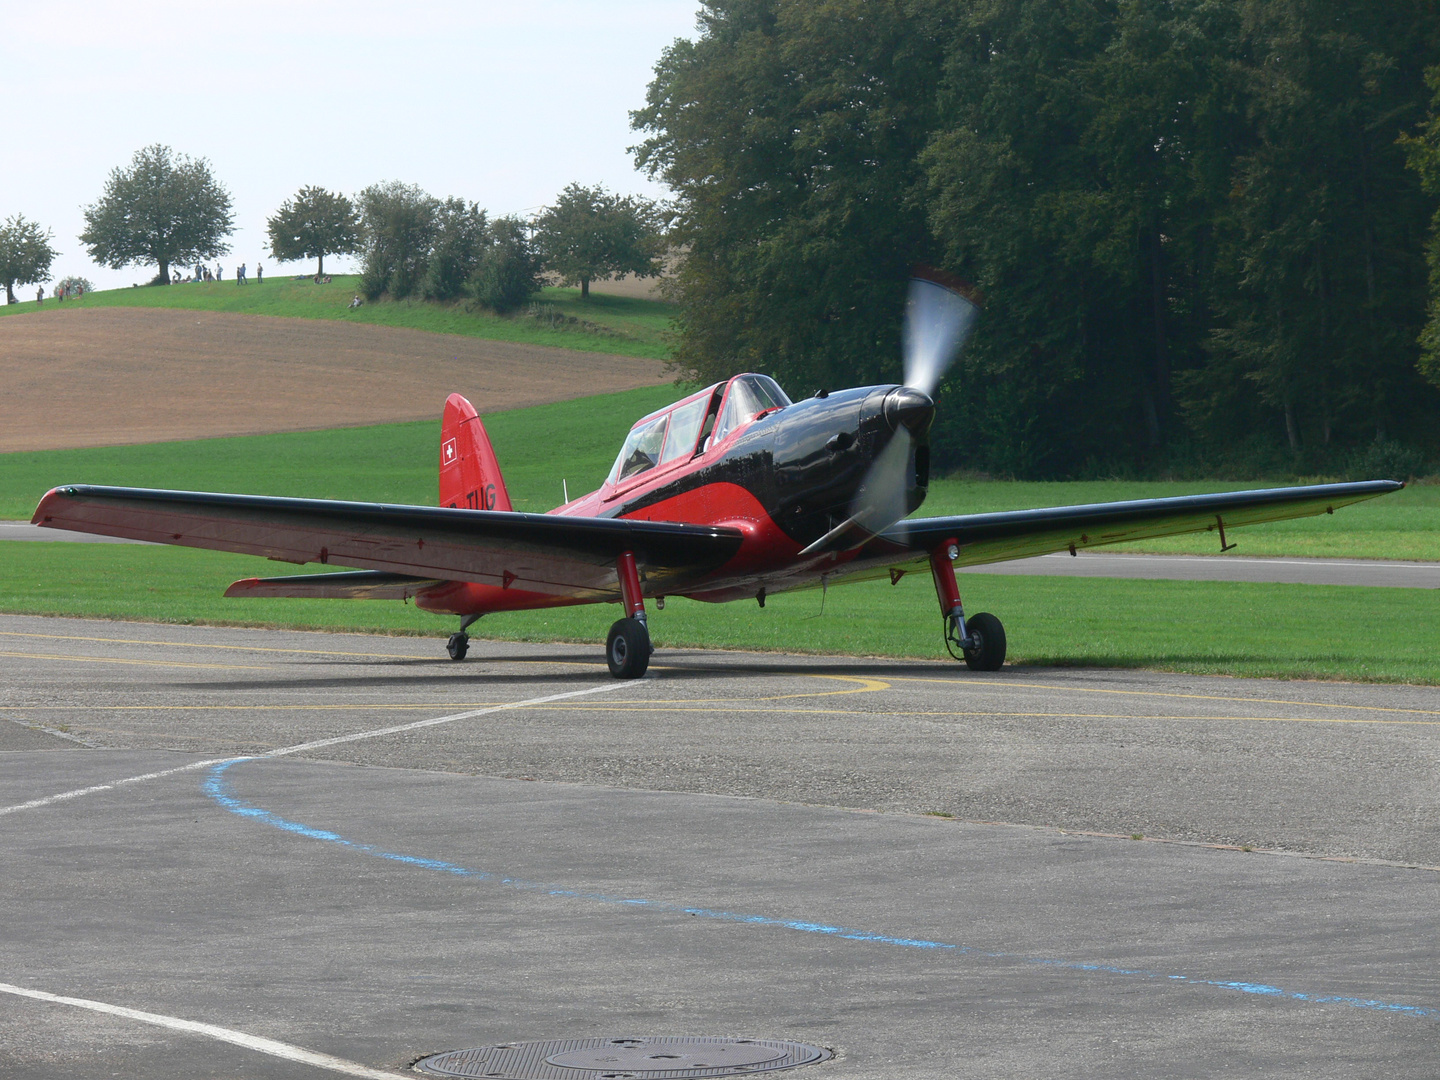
(469, 474)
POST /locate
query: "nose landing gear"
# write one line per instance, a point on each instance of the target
(979, 640)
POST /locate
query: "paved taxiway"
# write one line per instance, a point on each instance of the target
(737, 845)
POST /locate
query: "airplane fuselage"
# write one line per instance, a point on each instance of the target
(784, 479)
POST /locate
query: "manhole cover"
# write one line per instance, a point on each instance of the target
(623, 1059)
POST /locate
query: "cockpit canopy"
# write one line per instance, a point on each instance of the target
(692, 425)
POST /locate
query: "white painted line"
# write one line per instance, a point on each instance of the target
(33, 726)
(212, 1031)
(315, 744)
(64, 795)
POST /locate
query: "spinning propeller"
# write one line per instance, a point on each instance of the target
(939, 318)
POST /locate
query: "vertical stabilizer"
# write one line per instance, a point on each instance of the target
(469, 474)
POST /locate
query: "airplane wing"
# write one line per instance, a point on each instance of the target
(546, 553)
(1020, 534)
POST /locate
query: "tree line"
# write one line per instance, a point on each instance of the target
(168, 210)
(1201, 226)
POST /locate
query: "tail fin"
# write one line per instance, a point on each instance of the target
(469, 474)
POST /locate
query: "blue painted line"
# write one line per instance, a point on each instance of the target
(215, 786)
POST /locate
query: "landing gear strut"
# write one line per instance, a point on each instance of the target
(459, 643)
(979, 640)
(627, 650)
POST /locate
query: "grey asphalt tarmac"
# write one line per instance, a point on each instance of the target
(361, 849)
(1370, 572)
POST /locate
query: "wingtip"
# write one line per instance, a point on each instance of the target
(41, 516)
(242, 586)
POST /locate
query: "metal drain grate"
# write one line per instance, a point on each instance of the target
(623, 1059)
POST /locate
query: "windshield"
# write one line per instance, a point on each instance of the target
(684, 429)
(641, 450)
(750, 395)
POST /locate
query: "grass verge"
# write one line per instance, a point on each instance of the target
(612, 324)
(576, 441)
(1307, 632)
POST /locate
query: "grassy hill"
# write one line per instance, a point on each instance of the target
(558, 317)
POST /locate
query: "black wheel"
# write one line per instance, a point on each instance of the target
(458, 646)
(987, 637)
(628, 649)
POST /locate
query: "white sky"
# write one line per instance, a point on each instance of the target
(502, 103)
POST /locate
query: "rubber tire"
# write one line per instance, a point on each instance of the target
(458, 646)
(627, 650)
(989, 654)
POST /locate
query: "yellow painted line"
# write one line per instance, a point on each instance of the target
(994, 715)
(1165, 694)
(201, 645)
(866, 686)
(137, 663)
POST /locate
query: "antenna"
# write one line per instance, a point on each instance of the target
(564, 489)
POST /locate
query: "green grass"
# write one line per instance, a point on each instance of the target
(617, 324)
(538, 447)
(1204, 627)
(577, 441)
(1324, 632)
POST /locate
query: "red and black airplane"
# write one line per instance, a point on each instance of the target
(734, 492)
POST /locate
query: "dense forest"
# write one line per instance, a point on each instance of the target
(1200, 226)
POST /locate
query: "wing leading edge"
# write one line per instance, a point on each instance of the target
(1021, 534)
(556, 555)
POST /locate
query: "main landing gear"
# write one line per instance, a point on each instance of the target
(459, 643)
(627, 650)
(979, 640)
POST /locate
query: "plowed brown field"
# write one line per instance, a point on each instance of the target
(107, 376)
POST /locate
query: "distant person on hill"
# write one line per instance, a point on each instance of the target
(240, 275)
(40, 296)
(356, 302)
(259, 274)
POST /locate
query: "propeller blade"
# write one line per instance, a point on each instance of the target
(880, 500)
(939, 319)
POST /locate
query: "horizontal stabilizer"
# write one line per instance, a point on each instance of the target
(350, 585)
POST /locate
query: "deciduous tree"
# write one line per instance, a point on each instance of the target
(591, 234)
(398, 223)
(163, 208)
(312, 224)
(789, 134)
(460, 237)
(509, 271)
(1190, 218)
(25, 254)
